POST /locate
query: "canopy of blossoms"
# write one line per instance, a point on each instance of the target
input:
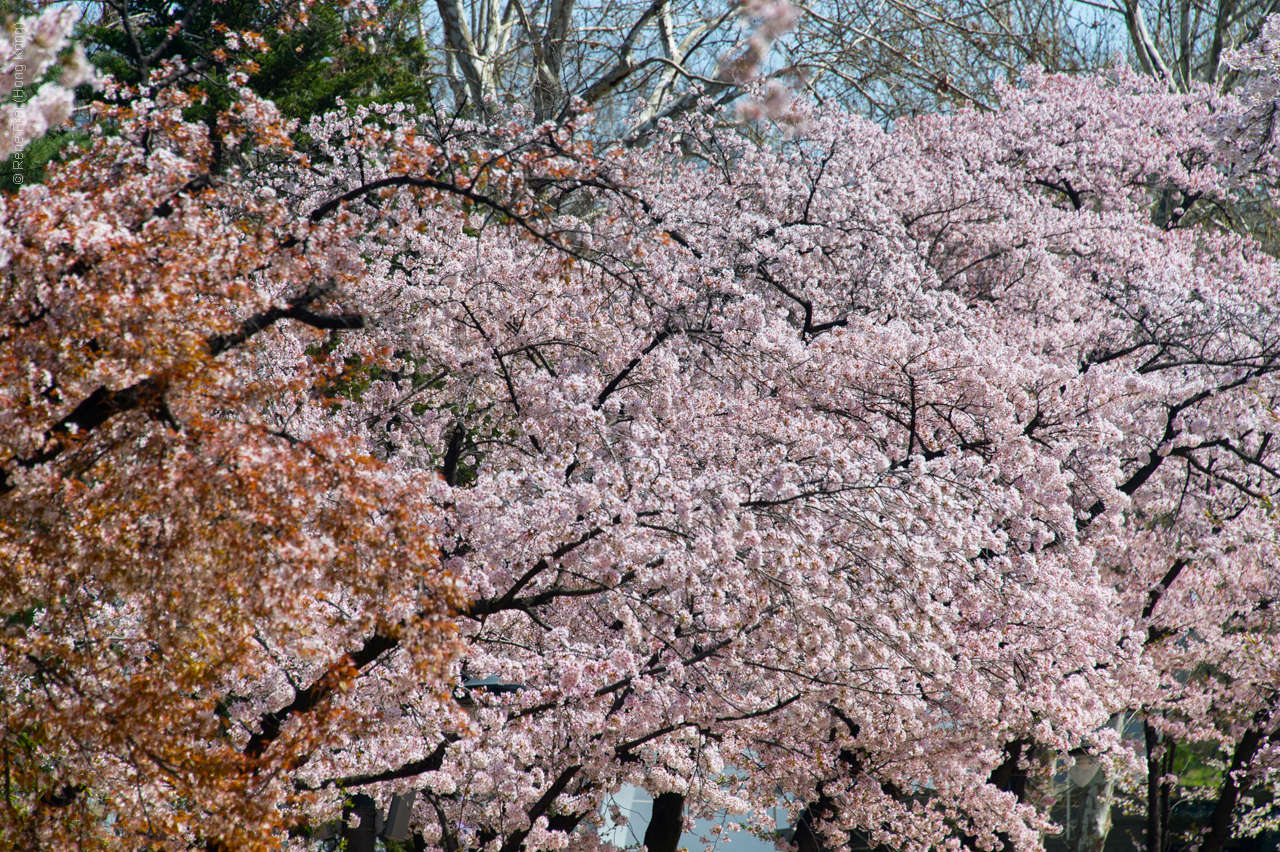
(876, 468)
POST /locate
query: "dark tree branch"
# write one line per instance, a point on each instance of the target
(1155, 458)
(430, 763)
(148, 394)
(809, 330)
(1236, 778)
(165, 208)
(306, 700)
(530, 603)
(1157, 591)
(151, 58)
(453, 453)
(349, 665)
(452, 189)
(626, 371)
(1065, 188)
(516, 838)
(1010, 776)
(297, 309)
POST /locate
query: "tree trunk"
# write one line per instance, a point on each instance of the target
(807, 838)
(1233, 784)
(1157, 816)
(1094, 824)
(1095, 813)
(667, 823)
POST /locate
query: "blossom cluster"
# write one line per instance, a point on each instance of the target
(29, 47)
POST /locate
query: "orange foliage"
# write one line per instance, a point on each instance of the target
(192, 549)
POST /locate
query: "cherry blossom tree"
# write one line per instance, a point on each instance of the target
(845, 464)
(1209, 619)
(1195, 565)
(476, 460)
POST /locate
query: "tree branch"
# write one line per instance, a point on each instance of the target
(148, 394)
(516, 839)
(626, 371)
(306, 700)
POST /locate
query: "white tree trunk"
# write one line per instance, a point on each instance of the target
(1090, 832)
